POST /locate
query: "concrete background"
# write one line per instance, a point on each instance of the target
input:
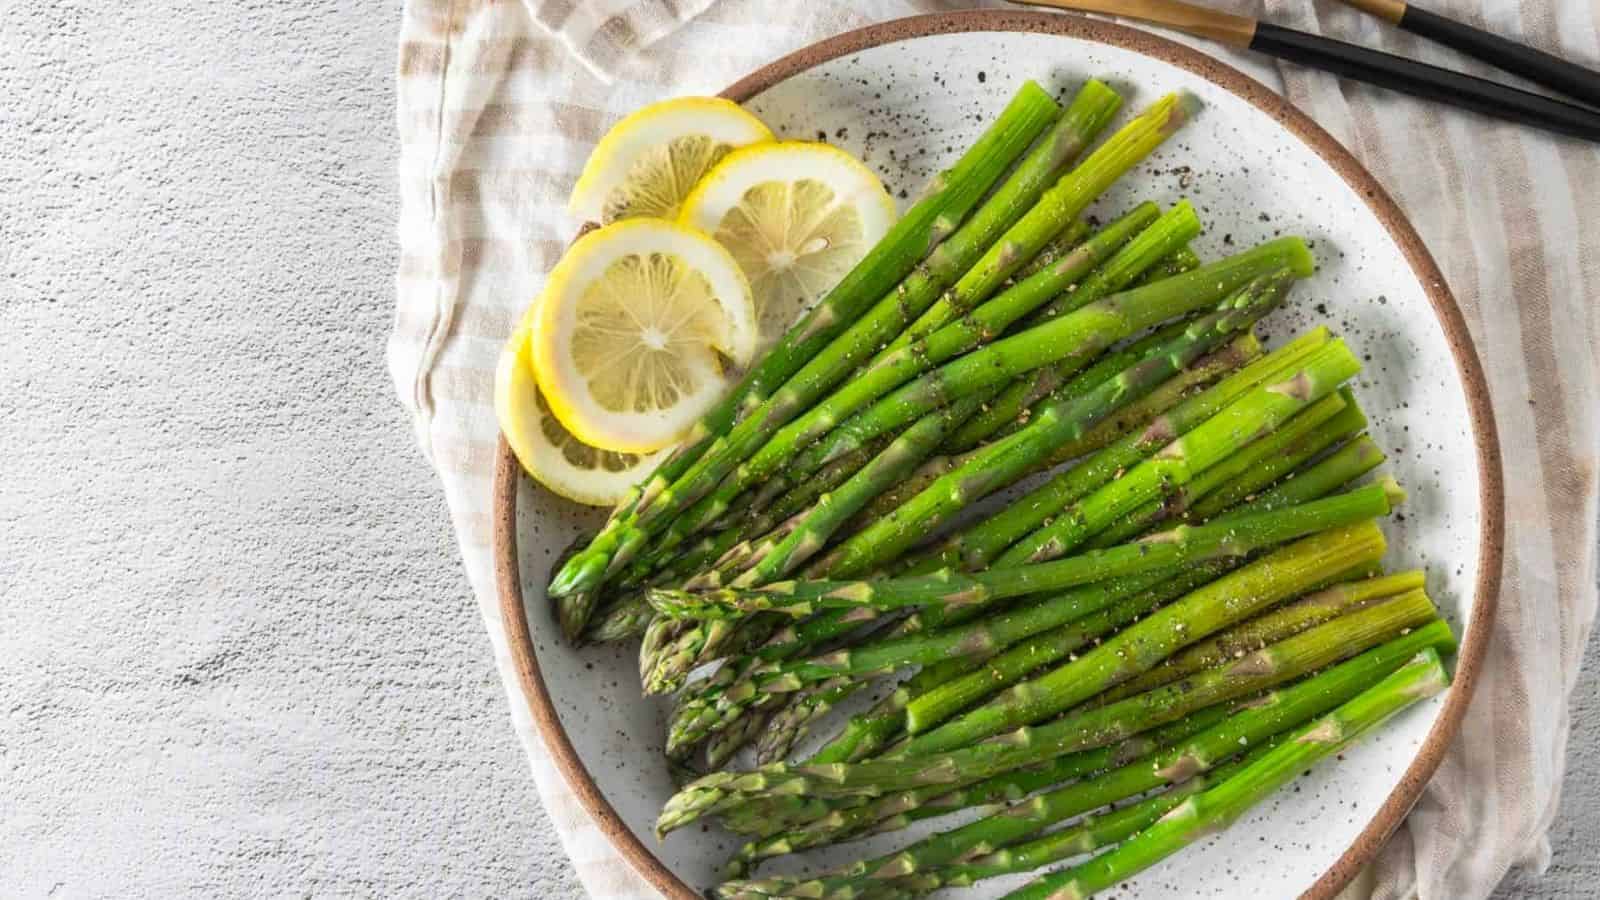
(237, 653)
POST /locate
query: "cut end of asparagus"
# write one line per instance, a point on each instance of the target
(1182, 219)
(1392, 490)
(1185, 107)
(1437, 678)
(1097, 93)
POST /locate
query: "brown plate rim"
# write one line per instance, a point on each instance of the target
(1491, 488)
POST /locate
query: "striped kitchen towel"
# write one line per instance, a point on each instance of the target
(500, 102)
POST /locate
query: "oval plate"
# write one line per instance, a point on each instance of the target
(907, 96)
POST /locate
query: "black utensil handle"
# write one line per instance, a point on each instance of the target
(1428, 82)
(1537, 66)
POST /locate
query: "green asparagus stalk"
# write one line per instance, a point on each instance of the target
(1346, 464)
(997, 467)
(931, 707)
(1061, 203)
(625, 617)
(1014, 248)
(722, 700)
(1248, 418)
(1057, 247)
(1074, 339)
(1269, 628)
(1237, 353)
(976, 547)
(786, 726)
(1216, 808)
(1250, 726)
(1056, 208)
(896, 810)
(1119, 601)
(833, 509)
(1138, 648)
(1184, 545)
(721, 747)
(1290, 437)
(672, 648)
(949, 198)
(1090, 833)
(985, 322)
(1339, 639)
(1003, 463)
(1040, 383)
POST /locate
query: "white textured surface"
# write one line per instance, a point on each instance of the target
(237, 655)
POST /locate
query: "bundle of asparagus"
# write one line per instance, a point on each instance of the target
(1187, 611)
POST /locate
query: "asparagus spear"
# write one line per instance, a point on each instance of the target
(1057, 247)
(1184, 545)
(721, 747)
(893, 368)
(834, 363)
(789, 723)
(951, 195)
(1348, 463)
(1218, 807)
(672, 648)
(985, 322)
(1138, 648)
(1040, 383)
(1065, 201)
(625, 617)
(1077, 337)
(1254, 457)
(895, 810)
(976, 547)
(929, 708)
(1268, 628)
(997, 467)
(834, 508)
(722, 700)
(1237, 353)
(1088, 834)
(1001, 464)
(1055, 209)
(1339, 639)
(1257, 413)
(1255, 724)
(1116, 602)
(835, 623)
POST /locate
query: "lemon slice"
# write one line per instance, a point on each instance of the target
(635, 330)
(797, 216)
(548, 451)
(648, 162)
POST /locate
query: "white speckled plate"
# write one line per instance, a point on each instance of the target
(907, 96)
